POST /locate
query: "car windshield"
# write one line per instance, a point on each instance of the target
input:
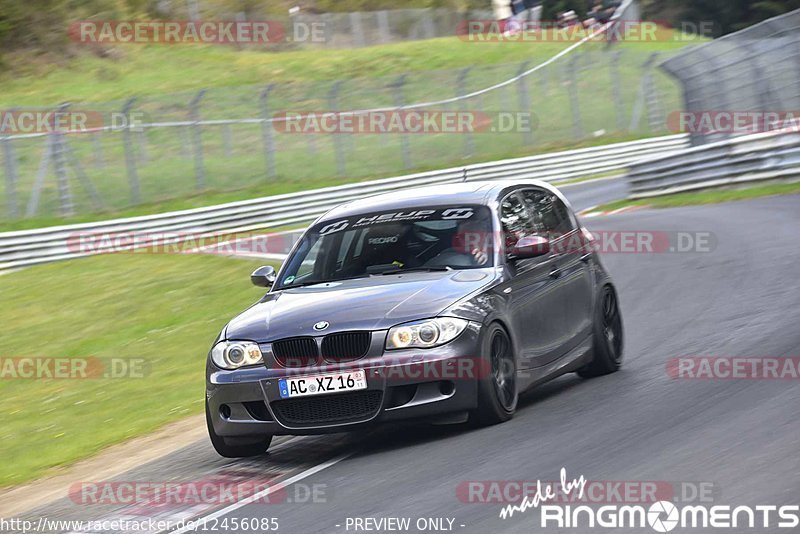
(373, 244)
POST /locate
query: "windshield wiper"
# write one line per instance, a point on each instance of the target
(418, 269)
(316, 282)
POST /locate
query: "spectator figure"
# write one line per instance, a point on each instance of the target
(534, 12)
(502, 13)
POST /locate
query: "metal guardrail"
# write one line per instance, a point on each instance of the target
(749, 159)
(31, 247)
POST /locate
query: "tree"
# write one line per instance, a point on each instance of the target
(726, 15)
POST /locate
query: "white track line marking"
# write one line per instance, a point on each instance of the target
(198, 522)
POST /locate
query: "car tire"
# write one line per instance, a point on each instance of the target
(497, 384)
(236, 447)
(607, 337)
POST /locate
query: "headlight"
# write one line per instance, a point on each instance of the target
(236, 354)
(424, 334)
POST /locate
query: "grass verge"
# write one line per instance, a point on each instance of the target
(705, 197)
(142, 70)
(162, 310)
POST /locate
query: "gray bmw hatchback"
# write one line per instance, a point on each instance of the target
(438, 303)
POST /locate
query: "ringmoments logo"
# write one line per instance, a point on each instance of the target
(660, 516)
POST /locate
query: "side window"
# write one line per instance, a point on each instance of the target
(550, 215)
(536, 202)
(562, 216)
(515, 219)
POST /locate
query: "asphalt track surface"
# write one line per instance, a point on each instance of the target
(739, 438)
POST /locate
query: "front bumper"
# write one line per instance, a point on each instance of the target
(401, 384)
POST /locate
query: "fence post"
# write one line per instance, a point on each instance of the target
(619, 108)
(184, 136)
(11, 178)
(654, 114)
(226, 140)
(197, 139)
(142, 146)
(544, 86)
(38, 184)
(337, 137)
(69, 157)
(357, 29)
(427, 24)
(577, 121)
(461, 88)
(60, 165)
(383, 26)
(266, 131)
(97, 146)
(399, 102)
(130, 161)
(194, 9)
(524, 100)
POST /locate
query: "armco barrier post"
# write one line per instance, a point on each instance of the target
(197, 139)
(266, 131)
(130, 160)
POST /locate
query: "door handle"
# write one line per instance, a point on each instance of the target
(555, 273)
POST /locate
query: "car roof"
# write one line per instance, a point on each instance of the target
(460, 193)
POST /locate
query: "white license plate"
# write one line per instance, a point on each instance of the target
(320, 384)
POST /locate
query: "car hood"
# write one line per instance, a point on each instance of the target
(374, 303)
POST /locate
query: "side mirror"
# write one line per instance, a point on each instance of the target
(531, 246)
(263, 276)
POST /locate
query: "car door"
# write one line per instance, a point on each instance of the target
(530, 290)
(572, 315)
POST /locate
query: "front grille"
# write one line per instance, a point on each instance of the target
(296, 352)
(345, 346)
(337, 408)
